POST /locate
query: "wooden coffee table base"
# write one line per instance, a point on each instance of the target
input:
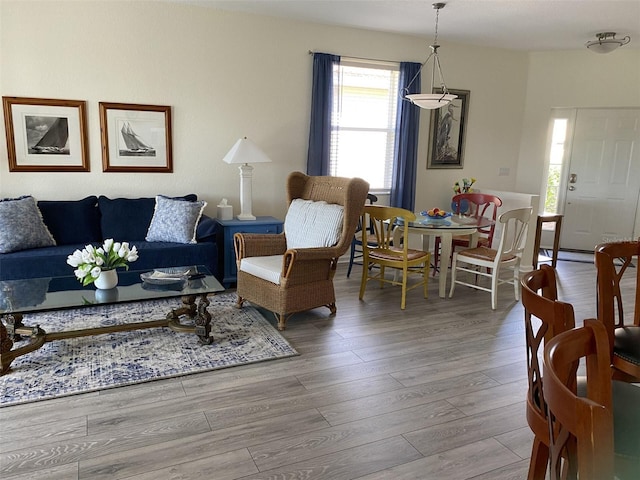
(12, 329)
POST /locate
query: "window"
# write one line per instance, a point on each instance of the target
(556, 158)
(363, 121)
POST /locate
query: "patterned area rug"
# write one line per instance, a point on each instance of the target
(85, 364)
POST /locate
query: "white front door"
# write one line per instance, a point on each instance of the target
(603, 178)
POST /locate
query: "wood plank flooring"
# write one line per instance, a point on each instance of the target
(435, 391)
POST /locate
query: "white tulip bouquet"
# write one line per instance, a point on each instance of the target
(90, 261)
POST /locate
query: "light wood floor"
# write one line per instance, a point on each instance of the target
(433, 392)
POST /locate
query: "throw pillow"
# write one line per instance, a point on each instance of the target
(174, 220)
(21, 225)
(310, 224)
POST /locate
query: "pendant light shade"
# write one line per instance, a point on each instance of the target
(431, 101)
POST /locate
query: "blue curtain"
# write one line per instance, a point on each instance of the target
(403, 180)
(321, 104)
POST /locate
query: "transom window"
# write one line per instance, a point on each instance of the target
(363, 121)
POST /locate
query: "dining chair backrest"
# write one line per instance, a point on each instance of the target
(513, 235)
(356, 243)
(382, 219)
(580, 428)
(612, 262)
(480, 205)
(544, 318)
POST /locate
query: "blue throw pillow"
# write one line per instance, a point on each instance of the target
(72, 221)
(21, 225)
(174, 220)
(128, 219)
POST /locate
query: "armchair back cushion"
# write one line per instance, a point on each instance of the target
(310, 224)
(332, 190)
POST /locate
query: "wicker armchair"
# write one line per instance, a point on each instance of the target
(305, 274)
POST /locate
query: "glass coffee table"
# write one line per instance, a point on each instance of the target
(17, 297)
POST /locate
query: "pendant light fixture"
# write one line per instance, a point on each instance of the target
(606, 42)
(431, 101)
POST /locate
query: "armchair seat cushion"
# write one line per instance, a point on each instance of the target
(268, 268)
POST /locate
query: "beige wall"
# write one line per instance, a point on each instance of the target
(576, 79)
(227, 75)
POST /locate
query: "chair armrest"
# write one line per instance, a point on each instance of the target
(319, 253)
(307, 265)
(259, 244)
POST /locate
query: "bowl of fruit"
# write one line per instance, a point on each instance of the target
(436, 214)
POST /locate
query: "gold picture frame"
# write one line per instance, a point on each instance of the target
(447, 132)
(135, 138)
(46, 135)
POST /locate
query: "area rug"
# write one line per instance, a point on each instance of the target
(85, 364)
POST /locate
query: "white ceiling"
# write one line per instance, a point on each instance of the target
(514, 24)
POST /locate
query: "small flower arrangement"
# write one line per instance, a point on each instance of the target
(90, 261)
(465, 187)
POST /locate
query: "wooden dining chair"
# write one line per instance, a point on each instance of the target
(356, 244)
(544, 318)
(613, 260)
(507, 256)
(479, 205)
(585, 430)
(384, 252)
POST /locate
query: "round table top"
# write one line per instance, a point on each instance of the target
(454, 222)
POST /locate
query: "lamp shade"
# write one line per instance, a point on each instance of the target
(245, 151)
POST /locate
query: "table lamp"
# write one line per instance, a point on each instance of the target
(245, 152)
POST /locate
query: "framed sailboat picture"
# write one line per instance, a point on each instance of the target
(135, 138)
(46, 135)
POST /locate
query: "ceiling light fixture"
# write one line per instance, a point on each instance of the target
(606, 42)
(431, 101)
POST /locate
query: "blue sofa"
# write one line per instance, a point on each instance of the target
(74, 224)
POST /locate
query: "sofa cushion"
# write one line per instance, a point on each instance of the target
(128, 218)
(75, 221)
(174, 220)
(268, 268)
(21, 225)
(52, 261)
(310, 224)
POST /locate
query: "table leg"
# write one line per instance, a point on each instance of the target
(446, 239)
(14, 330)
(200, 315)
(6, 344)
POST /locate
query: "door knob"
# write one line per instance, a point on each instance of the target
(572, 188)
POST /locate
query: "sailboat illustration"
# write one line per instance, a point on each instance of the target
(135, 145)
(54, 141)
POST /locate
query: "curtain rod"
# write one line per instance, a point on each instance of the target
(311, 52)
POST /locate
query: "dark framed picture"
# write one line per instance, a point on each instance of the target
(447, 132)
(135, 138)
(46, 135)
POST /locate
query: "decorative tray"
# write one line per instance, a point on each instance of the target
(166, 276)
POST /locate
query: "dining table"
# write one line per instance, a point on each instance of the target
(446, 228)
